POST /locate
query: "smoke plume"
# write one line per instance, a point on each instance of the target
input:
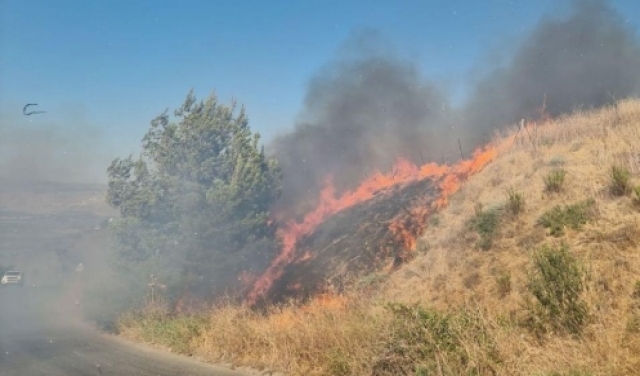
(587, 60)
(361, 112)
(60, 145)
(370, 106)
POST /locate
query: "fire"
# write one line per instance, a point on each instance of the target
(325, 301)
(407, 228)
(246, 279)
(449, 179)
(307, 256)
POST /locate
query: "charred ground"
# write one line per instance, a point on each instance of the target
(354, 242)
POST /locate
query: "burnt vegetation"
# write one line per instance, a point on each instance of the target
(352, 243)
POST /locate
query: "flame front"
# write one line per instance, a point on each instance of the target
(448, 178)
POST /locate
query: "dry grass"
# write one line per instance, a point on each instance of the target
(477, 299)
(587, 146)
(335, 335)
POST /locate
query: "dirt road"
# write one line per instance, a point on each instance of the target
(40, 334)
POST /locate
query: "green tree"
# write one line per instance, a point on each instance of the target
(195, 205)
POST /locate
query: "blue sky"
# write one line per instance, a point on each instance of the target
(119, 63)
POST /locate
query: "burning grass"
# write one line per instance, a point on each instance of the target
(407, 227)
(456, 310)
(345, 246)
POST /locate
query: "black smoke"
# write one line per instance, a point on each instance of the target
(361, 112)
(589, 59)
(371, 106)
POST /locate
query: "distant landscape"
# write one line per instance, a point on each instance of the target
(45, 227)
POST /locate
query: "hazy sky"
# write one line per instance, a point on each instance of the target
(120, 63)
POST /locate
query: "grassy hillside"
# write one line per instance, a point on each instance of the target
(532, 269)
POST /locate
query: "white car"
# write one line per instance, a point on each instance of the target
(12, 278)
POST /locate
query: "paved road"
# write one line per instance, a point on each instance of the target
(40, 335)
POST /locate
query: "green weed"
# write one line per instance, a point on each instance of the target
(557, 284)
(633, 323)
(554, 181)
(515, 202)
(570, 373)
(503, 280)
(429, 342)
(486, 223)
(636, 193)
(176, 332)
(620, 181)
(573, 216)
(636, 291)
(557, 161)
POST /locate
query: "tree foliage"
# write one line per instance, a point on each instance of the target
(195, 204)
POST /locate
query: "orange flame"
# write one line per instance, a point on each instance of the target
(410, 227)
(325, 301)
(246, 279)
(307, 256)
(449, 178)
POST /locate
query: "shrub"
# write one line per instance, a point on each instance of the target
(557, 161)
(428, 342)
(636, 291)
(620, 181)
(503, 280)
(633, 323)
(515, 202)
(338, 363)
(486, 223)
(422, 246)
(554, 181)
(573, 216)
(176, 332)
(571, 373)
(636, 192)
(557, 285)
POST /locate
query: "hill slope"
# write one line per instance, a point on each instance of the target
(533, 268)
(453, 271)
